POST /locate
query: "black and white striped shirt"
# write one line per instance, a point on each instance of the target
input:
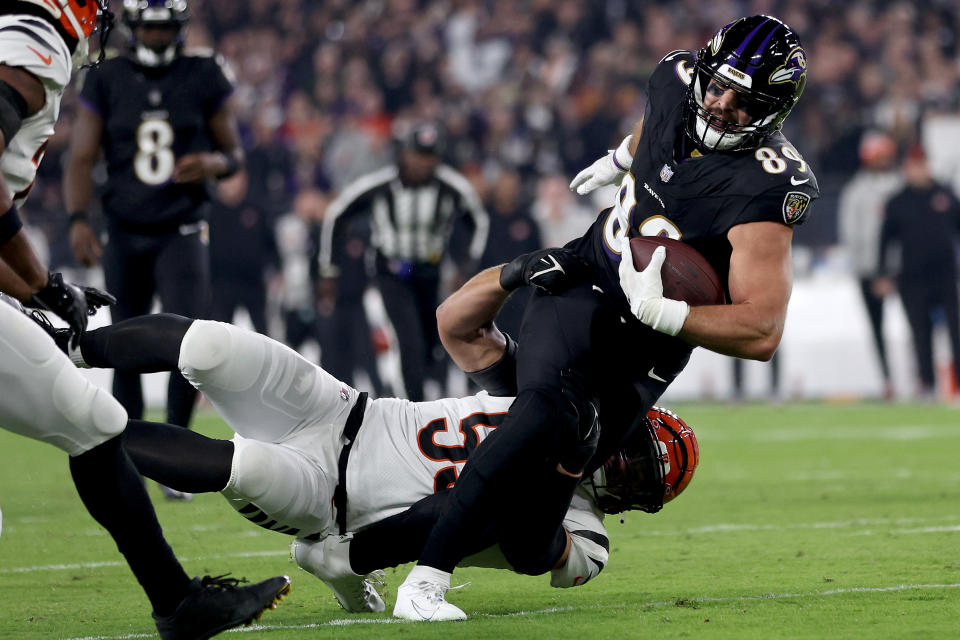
(409, 223)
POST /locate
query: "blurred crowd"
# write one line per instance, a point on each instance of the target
(529, 92)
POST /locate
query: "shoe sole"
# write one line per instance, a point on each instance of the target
(281, 593)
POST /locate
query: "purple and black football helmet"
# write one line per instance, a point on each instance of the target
(761, 59)
(160, 13)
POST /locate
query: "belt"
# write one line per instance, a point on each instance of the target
(350, 430)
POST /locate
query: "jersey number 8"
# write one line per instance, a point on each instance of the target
(154, 161)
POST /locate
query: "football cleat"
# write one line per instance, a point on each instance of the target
(329, 560)
(422, 597)
(215, 604)
(175, 494)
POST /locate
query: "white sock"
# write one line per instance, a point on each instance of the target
(422, 573)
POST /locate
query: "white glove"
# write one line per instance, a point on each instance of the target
(607, 170)
(644, 291)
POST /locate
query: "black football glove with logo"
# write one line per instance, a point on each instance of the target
(552, 270)
(97, 298)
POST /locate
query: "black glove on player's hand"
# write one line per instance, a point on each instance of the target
(552, 270)
(65, 300)
(97, 298)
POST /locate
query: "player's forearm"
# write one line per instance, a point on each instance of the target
(739, 330)
(465, 321)
(78, 184)
(21, 273)
(635, 142)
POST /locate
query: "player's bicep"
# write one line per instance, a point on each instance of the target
(761, 269)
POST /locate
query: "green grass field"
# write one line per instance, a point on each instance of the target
(803, 521)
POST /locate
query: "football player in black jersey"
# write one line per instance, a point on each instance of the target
(708, 166)
(160, 115)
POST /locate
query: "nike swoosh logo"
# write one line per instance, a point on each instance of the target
(655, 376)
(554, 267)
(47, 60)
(796, 182)
(420, 612)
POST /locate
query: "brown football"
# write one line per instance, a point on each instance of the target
(686, 273)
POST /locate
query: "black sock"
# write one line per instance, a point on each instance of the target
(144, 344)
(178, 458)
(530, 529)
(114, 495)
(181, 399)
(400, 538)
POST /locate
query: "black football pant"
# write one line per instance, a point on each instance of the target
(579, 331)
(874, 305)
(920, 298)
(174, 267)
(411, 304)
(230, 294)
(346, 344)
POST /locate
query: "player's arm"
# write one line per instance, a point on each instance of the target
(222, 163)
(78, 183)
(21, 95)
(760, 281)
(610, 168)
(465, 319)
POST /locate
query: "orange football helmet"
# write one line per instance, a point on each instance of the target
(653, 468)
(78, 19)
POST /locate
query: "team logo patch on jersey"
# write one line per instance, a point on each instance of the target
(794, 204)
(666, 173)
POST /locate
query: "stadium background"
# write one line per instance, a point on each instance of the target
(531, 92)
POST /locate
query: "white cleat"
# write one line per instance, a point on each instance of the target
(329, 560)
(421, 597)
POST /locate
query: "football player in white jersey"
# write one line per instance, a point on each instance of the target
(44, 397)
(297, 428)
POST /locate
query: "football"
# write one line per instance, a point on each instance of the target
(686, 273)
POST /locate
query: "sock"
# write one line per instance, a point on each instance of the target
(181, 399)
(114, 495)
(178, 458)
(144, 344)
(421, 573)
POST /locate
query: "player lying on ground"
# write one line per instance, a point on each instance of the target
(293, 419)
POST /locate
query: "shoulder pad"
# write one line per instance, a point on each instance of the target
(33, 48)
(676, 65)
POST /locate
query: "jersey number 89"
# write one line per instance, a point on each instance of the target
(154, 161)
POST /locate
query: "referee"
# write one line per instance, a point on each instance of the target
(413, 207)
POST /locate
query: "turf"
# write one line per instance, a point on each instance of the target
(803, 521)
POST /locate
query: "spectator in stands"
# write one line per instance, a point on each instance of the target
(297, 233)
(924, 220)
(861, 214)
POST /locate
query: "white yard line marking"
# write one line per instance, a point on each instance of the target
(119, 563)
(343, 622)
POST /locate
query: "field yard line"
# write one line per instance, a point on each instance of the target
(717, 528)
(664, 603)
(118, 563)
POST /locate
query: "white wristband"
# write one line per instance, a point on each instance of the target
(622, 157)
(663, 314)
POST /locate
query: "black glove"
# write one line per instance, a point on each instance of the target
(97, 298)
(552, 270)
(65, 300)
(574, 388)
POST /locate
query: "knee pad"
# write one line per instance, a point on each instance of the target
(219, 354)
(95, 412)
(276, 488)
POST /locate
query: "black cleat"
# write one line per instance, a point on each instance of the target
(60, 335)
(215, 604)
